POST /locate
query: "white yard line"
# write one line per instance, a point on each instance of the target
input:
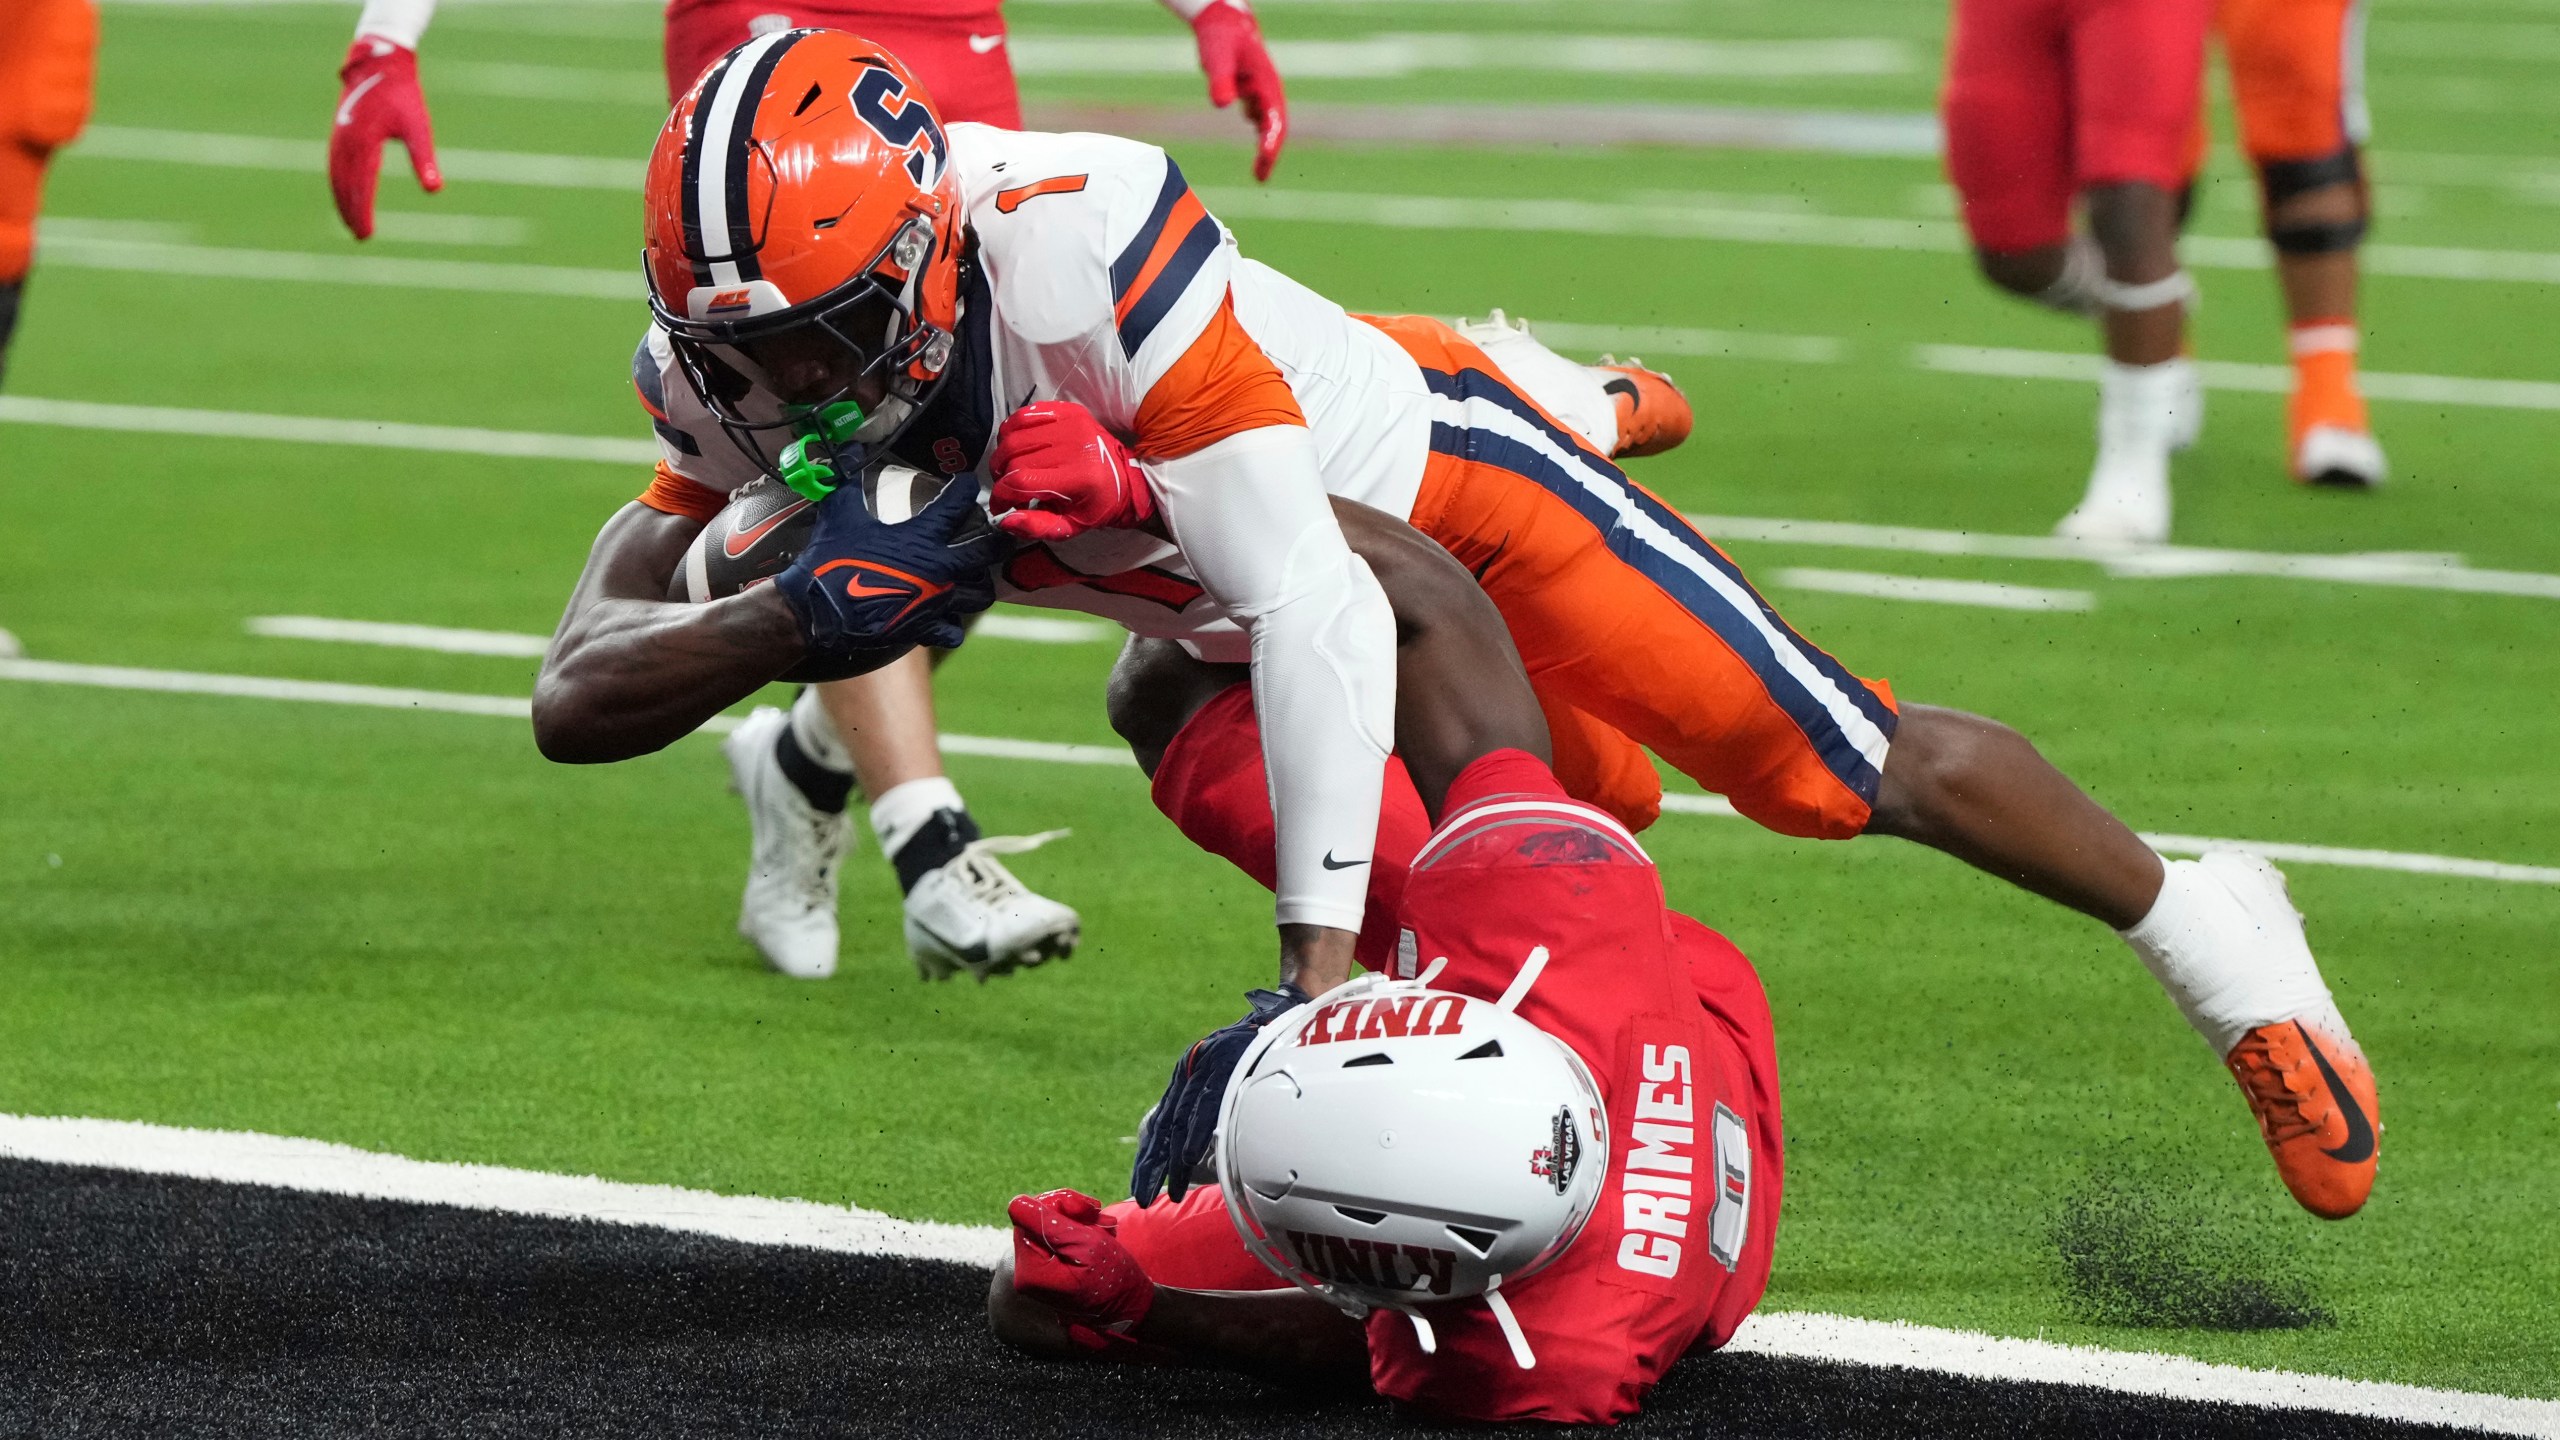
(450, 702)
(261, 687)
(1932, 591)
(1676, 221)
(314, 430)
(1398, 55)
(402, 637)
(2230, 375)
(319, 1167)
(263, 152)
(2147, 562)
(2425, 572)
(1035, 629)
(84, 251)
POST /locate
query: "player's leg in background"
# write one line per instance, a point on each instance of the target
(48, 51)
(2137, 70)
(2297, 76)
(798, 772)
(2009, 110)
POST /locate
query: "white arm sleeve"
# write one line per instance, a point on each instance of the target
(1252, 518)
(402, 22)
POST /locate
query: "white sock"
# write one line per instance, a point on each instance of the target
(2226, 971)
(816, 732)
(2138, 404)
(899, 814)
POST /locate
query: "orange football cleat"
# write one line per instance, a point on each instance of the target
(1653, 416)
(2314, 1098)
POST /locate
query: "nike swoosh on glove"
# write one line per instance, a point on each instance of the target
(380, 100)
(862, 584)
(1239, 66)
(1068, 1256)
(1058, 473)
(1178, 1132)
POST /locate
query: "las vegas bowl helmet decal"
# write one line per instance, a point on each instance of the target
(1395, 1146)
(803, 189)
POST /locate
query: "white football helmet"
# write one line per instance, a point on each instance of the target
(1395, 1145)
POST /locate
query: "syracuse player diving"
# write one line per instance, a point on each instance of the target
(796, 771)
(1589, 1081)
(1162, 421)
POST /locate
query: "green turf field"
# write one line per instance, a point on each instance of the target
(408, 932)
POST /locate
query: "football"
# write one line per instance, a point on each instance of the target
(766, 522)
(761, 530)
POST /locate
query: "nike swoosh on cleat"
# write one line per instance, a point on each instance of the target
(2359, 1146)
(1332, 864)
(973, 958)
(983, 44)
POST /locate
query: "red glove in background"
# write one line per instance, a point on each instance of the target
(1058, 473)
(381, 102)
(1066, 1256)
(1232, 54)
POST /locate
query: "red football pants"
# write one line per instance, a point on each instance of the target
(2046, 98)
(958, 51)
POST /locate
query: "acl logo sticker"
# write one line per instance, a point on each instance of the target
(904, 126)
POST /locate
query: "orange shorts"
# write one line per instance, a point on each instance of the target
(48, 54)
(2297, 75)
(1637, 631)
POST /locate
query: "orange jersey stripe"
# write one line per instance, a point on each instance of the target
(1187, 213)
(1223, 385)
(1008, 201)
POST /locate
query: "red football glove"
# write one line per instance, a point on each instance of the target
(1066, 1256)
(1232, 54)
(381, 102)
(1059, 473)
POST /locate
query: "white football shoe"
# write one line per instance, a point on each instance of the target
(2127, 502)
(973, 914)
(2186, 423)
(789, 910)
(2336, 456)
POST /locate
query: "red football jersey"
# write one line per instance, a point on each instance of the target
(1671, 1020)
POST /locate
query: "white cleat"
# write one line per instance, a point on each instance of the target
(789, 910)
(974, 915)
(2332, 455)
(2127, 502)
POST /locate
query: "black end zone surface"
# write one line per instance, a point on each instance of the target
(133, 1305)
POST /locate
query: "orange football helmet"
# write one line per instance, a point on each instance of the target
(802, 193)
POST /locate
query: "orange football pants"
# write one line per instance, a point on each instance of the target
(2297, 75)
(1637, 631)
(48, 54)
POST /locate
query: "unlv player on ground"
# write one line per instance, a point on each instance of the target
(1596, 1248)
(1162, 420)
(796, 771)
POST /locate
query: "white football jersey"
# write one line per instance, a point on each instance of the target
(1097, 270)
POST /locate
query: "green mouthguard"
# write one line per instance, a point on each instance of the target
(810, 474)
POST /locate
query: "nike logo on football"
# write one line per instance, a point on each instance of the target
(1332, 864)
(2359, 1145)
(738, 543)
(984, 44)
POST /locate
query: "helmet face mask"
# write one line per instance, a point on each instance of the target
(804, 241)
(1399, 1146)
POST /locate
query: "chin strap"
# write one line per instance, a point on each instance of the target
(1502, 1316)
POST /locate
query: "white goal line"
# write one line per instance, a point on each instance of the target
(320, 1167)
(384, 697)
